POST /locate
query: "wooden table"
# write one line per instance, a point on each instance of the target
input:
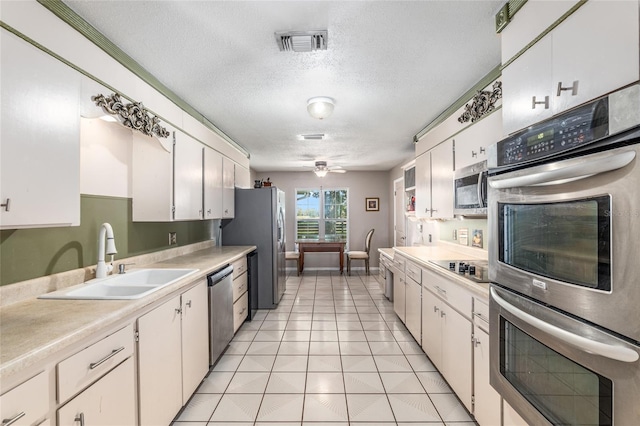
(321, 246)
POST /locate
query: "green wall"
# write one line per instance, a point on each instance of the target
(32, 253)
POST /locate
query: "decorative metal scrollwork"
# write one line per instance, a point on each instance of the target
(132, 115)
(483, 102)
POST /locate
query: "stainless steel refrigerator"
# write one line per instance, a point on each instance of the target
(259, 220)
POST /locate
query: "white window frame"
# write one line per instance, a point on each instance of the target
(321, 219)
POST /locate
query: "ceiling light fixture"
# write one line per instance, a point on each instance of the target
(320, 107)
(321, 172)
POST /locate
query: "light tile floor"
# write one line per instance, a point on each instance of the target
(332, 354)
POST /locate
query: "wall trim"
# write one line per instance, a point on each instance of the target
(462, 100)
(66, 14)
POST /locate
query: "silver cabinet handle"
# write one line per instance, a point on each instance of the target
(188, 304)
(79, 418)
(242, 311)
(435, 309)
(179, 311)
(480, 316)
(209, 211)
(443, 314)
(617, 353)
(545, 102)
(6, 209)
(7, 422)
(573, 88)
(475, 342)
(441, 291)
(567, 170)
(106, 358)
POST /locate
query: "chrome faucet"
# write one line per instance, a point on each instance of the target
(103, 269)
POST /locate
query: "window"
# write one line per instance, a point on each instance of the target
(321, 213)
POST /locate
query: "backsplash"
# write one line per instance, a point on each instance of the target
(429, 232)
(32, 253)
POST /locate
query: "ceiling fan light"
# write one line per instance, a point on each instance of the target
(320, 173)
(320, 107)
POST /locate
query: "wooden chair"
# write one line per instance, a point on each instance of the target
(294, 255)
(361, 255)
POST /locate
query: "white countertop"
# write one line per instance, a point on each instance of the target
(34, 329)
(444, 251)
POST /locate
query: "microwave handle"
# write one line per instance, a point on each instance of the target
(617, 353)
(566, 171)
(482, 177)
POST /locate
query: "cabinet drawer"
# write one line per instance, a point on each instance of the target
(80, 370)
(239, 266)
(27, 402)
(398, 264)
(240, 311)
(239, 286)
(480, 312)
(414, 272)
(449, 291)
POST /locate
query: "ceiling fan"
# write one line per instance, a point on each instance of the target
(321, 169)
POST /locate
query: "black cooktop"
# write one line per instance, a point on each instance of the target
(474, 270)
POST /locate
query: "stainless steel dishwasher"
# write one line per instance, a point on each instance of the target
(220, 311)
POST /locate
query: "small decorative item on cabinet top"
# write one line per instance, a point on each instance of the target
(266, 183)
(372, 204)
(257, 183)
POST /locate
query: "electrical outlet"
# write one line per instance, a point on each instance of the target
(172, 238)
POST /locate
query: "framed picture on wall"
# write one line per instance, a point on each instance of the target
(372, 204)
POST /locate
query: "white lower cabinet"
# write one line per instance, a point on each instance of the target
(109, 401)
(399, 296)
(413, 308)
(240, 294)
(195, 339)
(26, 403)
(486, 407)
(163, 360)
(510, 417)
(446, 334)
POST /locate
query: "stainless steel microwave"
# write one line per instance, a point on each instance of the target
(470, 190)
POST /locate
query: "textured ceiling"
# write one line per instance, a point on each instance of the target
(391, 66)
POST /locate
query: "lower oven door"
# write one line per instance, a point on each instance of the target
(555, 369)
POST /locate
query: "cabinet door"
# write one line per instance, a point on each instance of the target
(423, 185)
(471, 144)
(486, 408)
(39, 138)
(399, 291)
(601, 54)
(110, 401)
(242, 177)
(457, 353)
(160, 364)
(195, 339)
(188, 178)
(212, 184)
(413, 309)
(442, 180)
(152, 180)
(431, 328)
(510, 417)
(228, 188)
(527, 77)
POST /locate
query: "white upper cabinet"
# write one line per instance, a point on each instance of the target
(228, 188)
(40, 138)
(188, 158)
(242, 177)
(212, 184)
(584, 57)
(471, 144)
(434, 182)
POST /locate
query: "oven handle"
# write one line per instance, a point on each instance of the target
(567, 170)
(590, 346)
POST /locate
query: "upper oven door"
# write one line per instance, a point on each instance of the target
(555, 369)
(567, 234)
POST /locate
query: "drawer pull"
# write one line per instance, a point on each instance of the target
(573, 88)
(7, 422)
(80, 418)
(242, 311)
(545, 102)
(480, 316)
(106, 358)
(441, 291)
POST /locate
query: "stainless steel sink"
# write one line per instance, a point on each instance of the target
(132, 285)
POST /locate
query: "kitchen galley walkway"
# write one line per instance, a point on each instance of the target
(333, 354)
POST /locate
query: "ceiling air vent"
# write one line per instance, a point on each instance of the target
(312, 137)
(302, 41)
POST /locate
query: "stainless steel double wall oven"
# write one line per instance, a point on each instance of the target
(564, 220)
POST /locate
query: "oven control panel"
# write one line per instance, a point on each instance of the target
(572, 129)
